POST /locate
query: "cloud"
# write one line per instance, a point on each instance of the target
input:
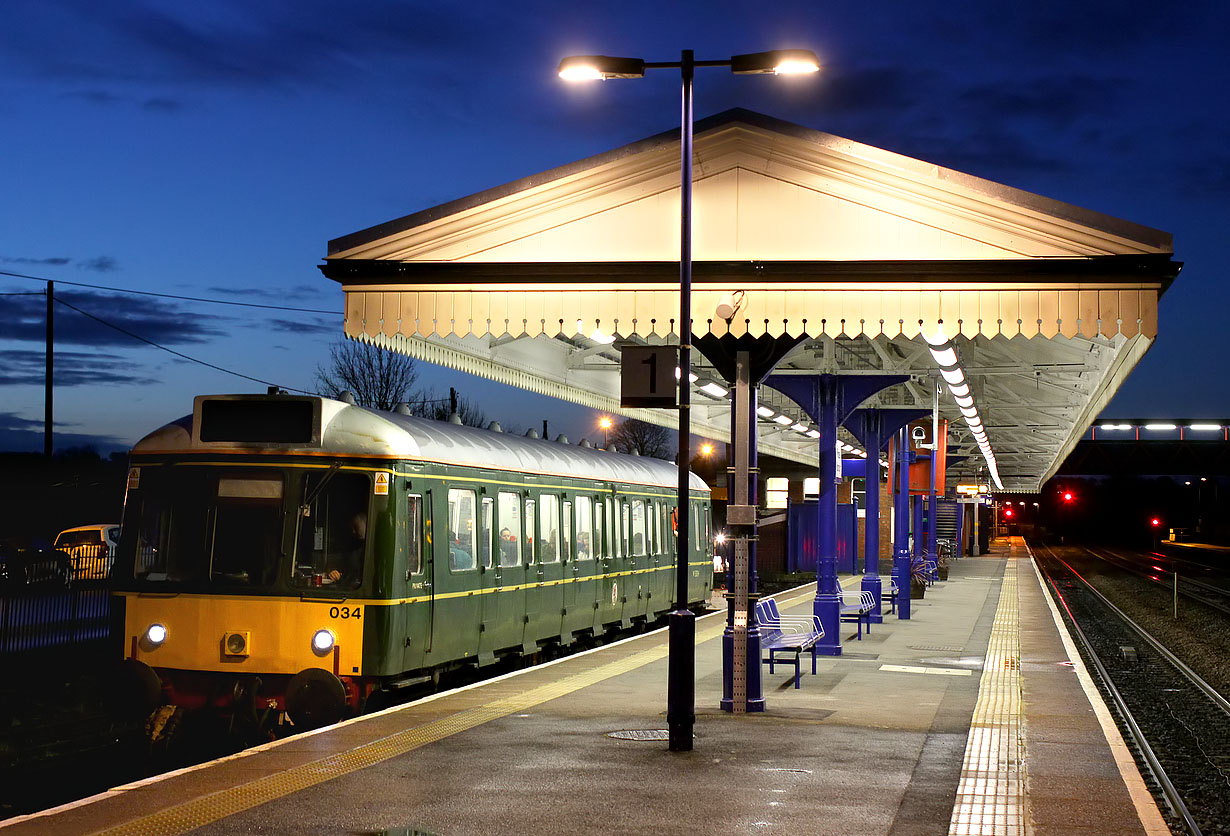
(72, 368)
(23, 435)
(296, 326)
(99, 264)
(53, 261)
(160, 321)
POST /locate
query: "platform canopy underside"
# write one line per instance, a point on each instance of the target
(857, 252)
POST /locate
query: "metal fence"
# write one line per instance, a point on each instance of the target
(60, 602)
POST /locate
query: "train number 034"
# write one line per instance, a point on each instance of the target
(345, 612)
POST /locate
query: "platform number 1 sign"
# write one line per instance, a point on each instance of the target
(647, 377)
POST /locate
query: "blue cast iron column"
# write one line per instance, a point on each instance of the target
(871, 518)
(827, 604)
(828, 399)
(874, 427)
(901, 525)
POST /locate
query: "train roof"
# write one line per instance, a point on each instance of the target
(289, 424)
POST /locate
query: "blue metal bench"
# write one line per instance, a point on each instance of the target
(888, 594)
(856, 608)
(789, 634)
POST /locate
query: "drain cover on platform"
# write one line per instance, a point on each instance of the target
(640, 734)
(936, 647)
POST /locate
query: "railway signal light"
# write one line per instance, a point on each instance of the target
(1067, 496)
(1007, 512)
(1155, 522)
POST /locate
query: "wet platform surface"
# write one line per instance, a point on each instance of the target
(972, 717)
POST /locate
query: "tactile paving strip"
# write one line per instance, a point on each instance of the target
(991, 794)
(206, 809)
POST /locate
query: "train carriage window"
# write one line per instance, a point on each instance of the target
(486, 524)
(461, 513)
(548, 529)
(601, 548)
(655, 535)
(639, 544)
(332, 538)
(695, 533)
(414, 534)
(508, 513)
(566, 536)
(585, 528)
(529, 531)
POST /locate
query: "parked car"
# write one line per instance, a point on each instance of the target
(26, 562)
(91, 547)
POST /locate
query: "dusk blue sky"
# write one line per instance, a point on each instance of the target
(212, 149)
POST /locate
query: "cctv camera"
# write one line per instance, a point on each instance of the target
(918, 434)
(729, 305)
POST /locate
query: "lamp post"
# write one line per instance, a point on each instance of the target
(605, 423)
(680, 700)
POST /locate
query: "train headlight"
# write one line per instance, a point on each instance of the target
(155, 635)
(323, 641)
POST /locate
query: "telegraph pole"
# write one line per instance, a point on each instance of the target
(49, 380)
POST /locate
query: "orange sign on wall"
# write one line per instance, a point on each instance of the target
(920, 470)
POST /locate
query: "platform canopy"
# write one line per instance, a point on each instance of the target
(856, 251)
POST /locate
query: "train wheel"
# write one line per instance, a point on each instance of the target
(134, 690)
(315, 697)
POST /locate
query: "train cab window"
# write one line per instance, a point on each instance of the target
(332, 530)
(508, 516)
(548, 529)
(414, 534)
(461, 513)
(585, 528)
(639, 539)
(601, 544)
(566, 538)
(246, 539)
(486, 522)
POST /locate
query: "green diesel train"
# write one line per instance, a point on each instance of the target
(310, 556)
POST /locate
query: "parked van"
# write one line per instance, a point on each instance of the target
(91, 548)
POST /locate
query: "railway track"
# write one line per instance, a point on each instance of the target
(1145, 566)
(1177, 724)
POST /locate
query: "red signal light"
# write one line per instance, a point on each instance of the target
(1067, 496)
(1156, 522)
(1007, 512)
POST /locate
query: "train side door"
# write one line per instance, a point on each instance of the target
(579, 572)
(418, 601)
(548, 571)
(487, 549)
(636, 518)
(456, 584)
(609, 585)
(504, 606)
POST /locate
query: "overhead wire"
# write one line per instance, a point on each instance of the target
(150, 342)
(168, 295)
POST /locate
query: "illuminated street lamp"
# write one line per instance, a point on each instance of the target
(605, 423)
(681, 685)
(706, 449)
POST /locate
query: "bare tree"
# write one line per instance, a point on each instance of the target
(646, 439)
(381, 379)
(378, 378)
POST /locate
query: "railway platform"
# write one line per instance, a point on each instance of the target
(973, 717)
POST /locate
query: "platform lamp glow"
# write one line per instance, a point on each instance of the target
(681, 686)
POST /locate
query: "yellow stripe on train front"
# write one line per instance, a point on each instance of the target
(278, 633)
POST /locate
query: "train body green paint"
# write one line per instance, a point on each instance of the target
(273, 535)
